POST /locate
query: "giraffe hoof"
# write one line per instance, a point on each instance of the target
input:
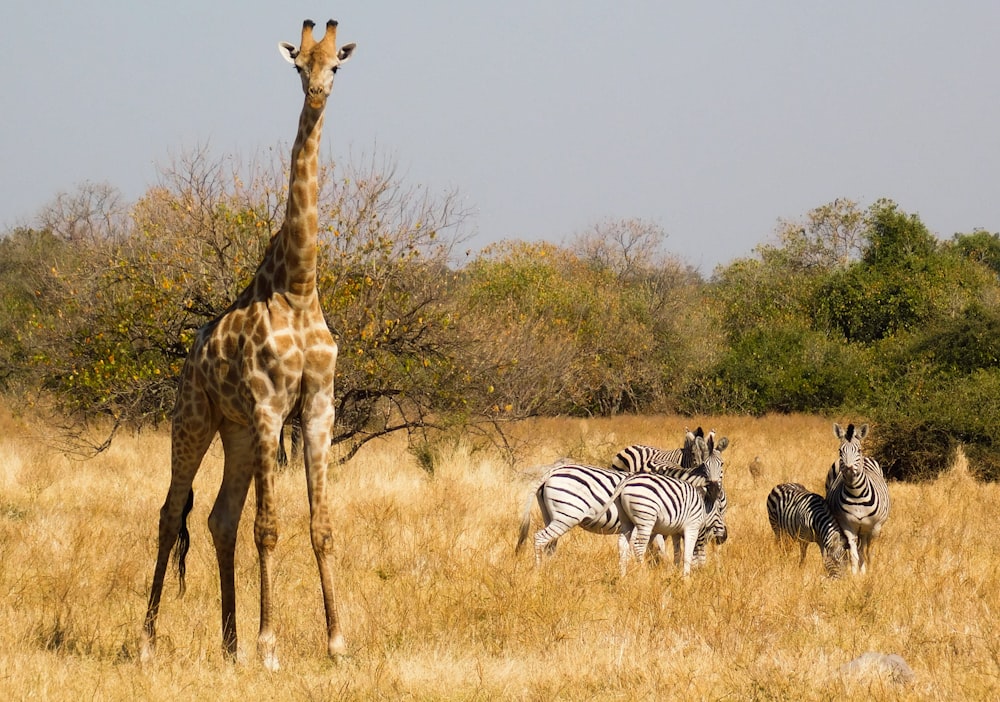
(336, 648)
(267, 651)
(146, 651)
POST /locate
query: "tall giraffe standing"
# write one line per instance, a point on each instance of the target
(269, 356)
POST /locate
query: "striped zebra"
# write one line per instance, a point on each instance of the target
(636, 458)
(651, 504)
(857, 494)
(803, 516)
(715, 525)
(707, 471)
(565, 495)
(704, 469)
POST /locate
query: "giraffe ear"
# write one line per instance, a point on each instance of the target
(288, 51)
(345, 51)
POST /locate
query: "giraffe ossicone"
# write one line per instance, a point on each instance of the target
(268, 357)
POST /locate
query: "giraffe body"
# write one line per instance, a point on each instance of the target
(268, 357)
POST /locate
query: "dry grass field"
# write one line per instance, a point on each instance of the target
(438, 607)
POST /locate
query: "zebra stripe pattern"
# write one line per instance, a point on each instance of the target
(637, 458)
(649, 505)
(857, 495)
(715, 527)
(795, 512)
(565, 496)
(646, 459)
(704, 469)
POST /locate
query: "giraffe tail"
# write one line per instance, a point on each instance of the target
(183, 542)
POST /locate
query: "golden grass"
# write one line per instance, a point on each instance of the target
(437, 606)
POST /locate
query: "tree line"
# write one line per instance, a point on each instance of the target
(845, 311)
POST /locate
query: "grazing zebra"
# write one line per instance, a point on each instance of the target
(857, 494)
(715, 526)
(565, 496)
(803, 516)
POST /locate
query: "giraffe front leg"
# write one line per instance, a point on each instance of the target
(317, 429)
(265, 531)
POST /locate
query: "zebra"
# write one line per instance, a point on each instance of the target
(650, 504)
(636, 458)
(704, 469)
(565, 495)
(715, 525)
(804, 516)
(857, 495)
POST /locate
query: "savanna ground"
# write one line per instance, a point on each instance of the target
(436, 605)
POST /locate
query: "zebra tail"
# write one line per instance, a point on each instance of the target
(522, 534)
(596, 512)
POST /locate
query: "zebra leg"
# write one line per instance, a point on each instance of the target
(690, 536)
(641, 536)
(660, 549)
(864, 547)
(676, 538)
(546, 539)
(624, 549)
(852, 546)
(803, 546)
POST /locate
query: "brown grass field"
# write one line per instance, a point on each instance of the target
(437, 606)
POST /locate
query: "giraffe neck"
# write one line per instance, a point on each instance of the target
(294, 247)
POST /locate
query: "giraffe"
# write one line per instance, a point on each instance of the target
(269, 356)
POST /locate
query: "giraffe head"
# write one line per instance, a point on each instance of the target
(317, 61)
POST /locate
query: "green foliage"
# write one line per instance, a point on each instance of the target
(905, 281)
(783, 369)
(938, 412)
(966, 343)
(981, 246)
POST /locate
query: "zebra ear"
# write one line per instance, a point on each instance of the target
(723, 443)
(862, 431)
(838, 432)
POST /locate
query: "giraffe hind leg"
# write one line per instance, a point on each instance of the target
(189, 442)
(224, 520)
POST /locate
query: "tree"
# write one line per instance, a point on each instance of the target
(830, 237)
(981, 246)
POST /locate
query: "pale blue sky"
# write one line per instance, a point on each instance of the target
(711, 119)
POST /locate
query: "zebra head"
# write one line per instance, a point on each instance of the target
(835, 553)
(851, 461)
(713, 464)
(716, 520)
